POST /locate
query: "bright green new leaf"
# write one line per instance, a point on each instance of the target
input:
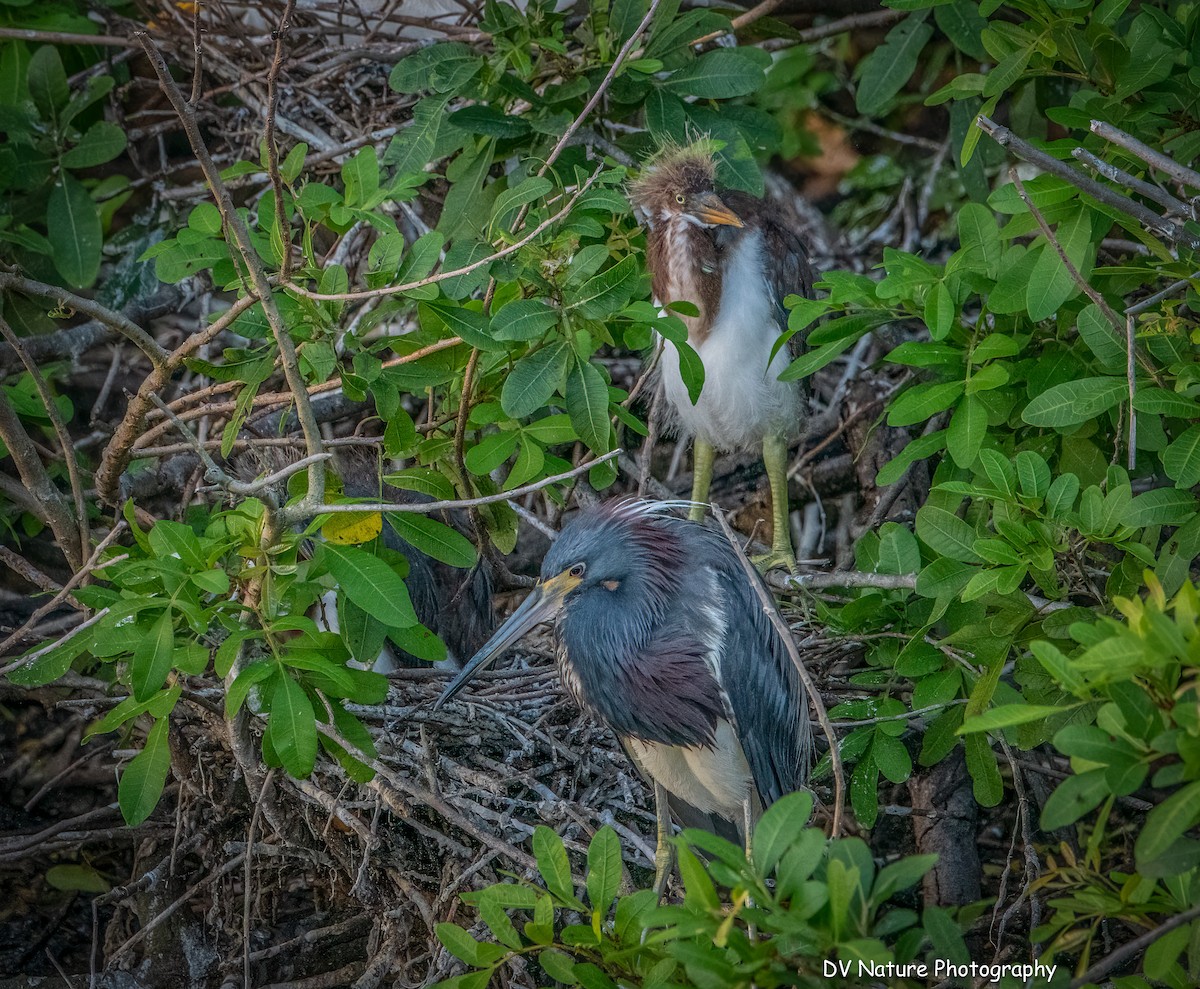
(604, 869)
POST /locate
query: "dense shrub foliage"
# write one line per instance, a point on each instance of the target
(1043, 330)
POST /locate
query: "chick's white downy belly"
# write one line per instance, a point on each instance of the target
(742, 400)
(713, 780)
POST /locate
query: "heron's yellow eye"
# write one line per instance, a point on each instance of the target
(577, 570)
(680, 198)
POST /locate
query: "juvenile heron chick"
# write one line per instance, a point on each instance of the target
(727, 253)
(662, 637)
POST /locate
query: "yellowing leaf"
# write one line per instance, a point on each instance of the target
(352, 528)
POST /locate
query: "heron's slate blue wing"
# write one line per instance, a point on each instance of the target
(769, 705)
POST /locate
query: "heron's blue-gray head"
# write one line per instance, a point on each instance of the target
(612, 572)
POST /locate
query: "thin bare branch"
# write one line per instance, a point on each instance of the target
(1142, 214)
(1155, 159)
(441, 276)
(258, 276)
(304, 511)
(109, 317)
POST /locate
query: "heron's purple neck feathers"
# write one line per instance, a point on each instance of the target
(626, 655)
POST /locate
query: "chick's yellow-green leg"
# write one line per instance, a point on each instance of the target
(702, 465)
(782, 554)
(664, 852)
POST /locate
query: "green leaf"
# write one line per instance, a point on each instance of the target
(985, 773)
(469, 324)
(916, 449)
(422, 479)
(73, 227)
(558, 965)
(443, 67)
(235, 695)
(961, 22)
(524, 319)
(885, 70)
(587, 405)
(721, 74)
(779, 828)
(79, 878)
(609, 291)
(1033, 474)
(528, 191)
(1008, 715)
(370, 583)
(1007, 71)
(48, 83)
(1168, 822)
(945, 533)
(534, 378)
(922, 401)
(53, 662)
(1074, 797)
(151, 661)
(699, 889)
(898, 550)
(292, 727)
(553, 864)
(1181, 460)
(1074, 402)
(360, 173)
(413, 147)
(101, 142)
(433, 538)
(1162, 506)
(1060, 498)
(604, 869)
(464, 947)
(143, 779)
(1050, 283)
(491, 451)
(900, 875)
(1101, 337)
(1160, 401)
(814, 360)
(488, 120)
(968, 427)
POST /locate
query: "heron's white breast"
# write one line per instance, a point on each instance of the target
(713, 780)
(742, 400)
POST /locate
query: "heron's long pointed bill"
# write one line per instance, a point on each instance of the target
(710, 209)
(542, 605)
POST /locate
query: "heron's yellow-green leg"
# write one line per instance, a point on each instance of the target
(664, 852)
(702, 465)
(775, 460)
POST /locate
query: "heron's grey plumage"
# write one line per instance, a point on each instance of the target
(662, 637)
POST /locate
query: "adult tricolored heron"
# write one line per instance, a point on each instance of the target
(662, 637)
(727, 253)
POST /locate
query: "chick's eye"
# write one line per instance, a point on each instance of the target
(577, 570)
(680, 198)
